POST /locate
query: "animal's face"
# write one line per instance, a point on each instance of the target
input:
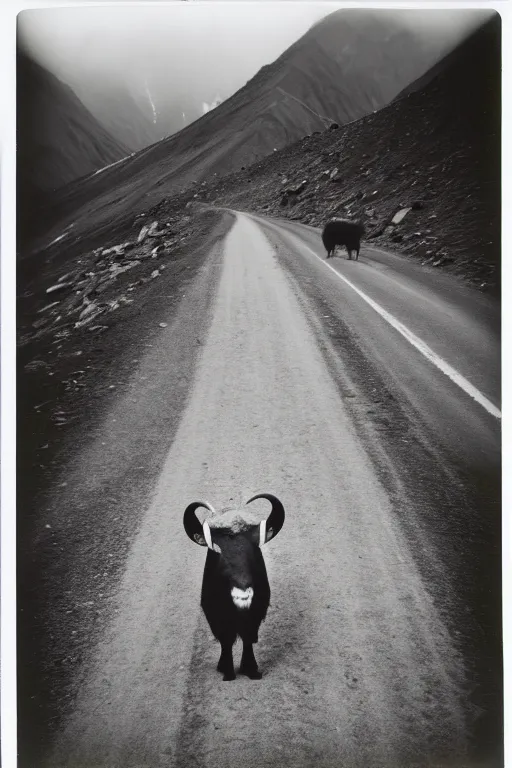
(238, 557)
(237, 551)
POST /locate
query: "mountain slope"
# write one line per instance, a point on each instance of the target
(435, 151)
(474, 53)
(141, 113)
(119, 111)
(58, 140)
(347, 65)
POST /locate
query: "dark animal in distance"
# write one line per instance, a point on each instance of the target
(235, 594)
(342, 232)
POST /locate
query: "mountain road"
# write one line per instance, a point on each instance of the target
(366, 396)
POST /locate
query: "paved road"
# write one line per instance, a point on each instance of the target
(305, 390)
(459, 326)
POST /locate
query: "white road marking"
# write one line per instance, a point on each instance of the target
(416, 342)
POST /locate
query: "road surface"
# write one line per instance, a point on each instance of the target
(385, 465)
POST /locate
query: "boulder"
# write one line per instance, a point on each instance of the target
(400, 215)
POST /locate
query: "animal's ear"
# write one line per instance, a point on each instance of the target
(199, 539)
(260, 534)
(269, 534)
(270, 527)
(193, 528)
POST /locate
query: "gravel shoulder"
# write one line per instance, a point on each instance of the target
(90, 472)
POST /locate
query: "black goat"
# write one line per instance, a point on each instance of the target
(235, 593)
(342, 232)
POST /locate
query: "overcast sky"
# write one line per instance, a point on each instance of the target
(224, 41)
(220, 45)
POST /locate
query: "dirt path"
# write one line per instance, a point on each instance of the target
(358, 667)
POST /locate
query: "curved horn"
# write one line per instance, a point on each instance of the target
(200, 534)
(274, 521)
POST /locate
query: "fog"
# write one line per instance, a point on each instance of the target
(209, 47)
(187, 51)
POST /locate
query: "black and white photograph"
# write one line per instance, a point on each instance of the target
(258, 385)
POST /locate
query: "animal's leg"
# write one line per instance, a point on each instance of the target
(225, 664)
(249, 665)
(357, 252)
(349, 251)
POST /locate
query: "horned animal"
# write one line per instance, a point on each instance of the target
(235, 593)
(342, 232)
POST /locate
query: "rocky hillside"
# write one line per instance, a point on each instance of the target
(423, 173)
(348, 65)
(58, 140)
